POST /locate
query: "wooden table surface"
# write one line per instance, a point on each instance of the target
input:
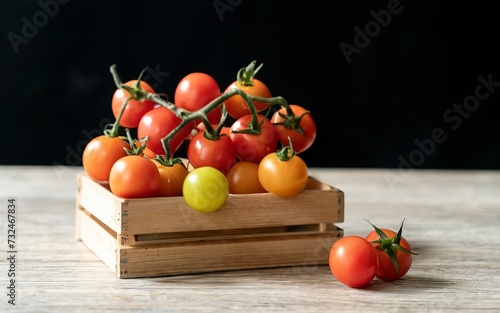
(452, 221)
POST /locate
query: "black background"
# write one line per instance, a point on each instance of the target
(56, 88)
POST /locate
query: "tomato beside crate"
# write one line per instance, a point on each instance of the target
(162, 236)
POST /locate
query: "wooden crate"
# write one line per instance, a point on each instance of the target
(162, 236)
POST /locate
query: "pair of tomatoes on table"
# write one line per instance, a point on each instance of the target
(355, 261)
(242, 157)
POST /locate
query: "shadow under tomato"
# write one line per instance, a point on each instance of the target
(408, 282)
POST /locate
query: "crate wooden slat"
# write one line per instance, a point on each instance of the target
(163, 236)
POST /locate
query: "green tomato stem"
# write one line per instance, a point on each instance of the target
(287, 152)
(188, 116)
(116, 77)
(390, 245)
(167, 161)
(135, 150)
(136, 92)
(215, 134)
(138, 81)
(113, 132)
(246, 74)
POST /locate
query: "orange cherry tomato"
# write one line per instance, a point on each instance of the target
(237, 107)
(301, 142)
(100, 154)
(134, 176)
(172, 178)
(283, 178)
(243, 178)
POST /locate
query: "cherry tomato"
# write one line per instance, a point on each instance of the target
(301, 142)
(172, 179)
(218, 153)
(283, 178)
(100, 154)
(134, 176)
(386, 270)
(352, 261)
(243, 178)
(195, 91)
(158, 123)
(237, 107)
(253, 147)
(205, 189)
(135, 109)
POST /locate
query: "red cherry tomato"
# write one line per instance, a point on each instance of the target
(195, 91)
(301, 142)
(134, 176)
(158, 123)
(353, 261)
(100, 154)
(135, 109)
(253, 147)
(386, 270)
(218, 153)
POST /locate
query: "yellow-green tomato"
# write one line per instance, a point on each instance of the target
(205, 189)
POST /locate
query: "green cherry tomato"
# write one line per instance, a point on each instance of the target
(205, 189)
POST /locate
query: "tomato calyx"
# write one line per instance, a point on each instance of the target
(246, 74)
(390, 245)
(291, 121)
(163, 160)
(136, 92)
(254, 127)
(136, 146)
(214, 134)
(287, 152)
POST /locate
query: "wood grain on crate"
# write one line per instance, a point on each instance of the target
(199, 256)
(163, 236)
(323, 204)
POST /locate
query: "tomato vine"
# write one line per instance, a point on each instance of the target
(186, 116)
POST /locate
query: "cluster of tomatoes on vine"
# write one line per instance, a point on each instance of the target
(257, 153)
